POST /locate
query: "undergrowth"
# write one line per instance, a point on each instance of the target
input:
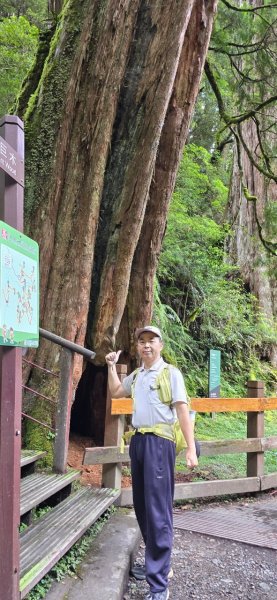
(222, 427)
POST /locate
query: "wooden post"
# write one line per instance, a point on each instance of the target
(63, 412)
(11, 211)
(114, 429)
(255, 428)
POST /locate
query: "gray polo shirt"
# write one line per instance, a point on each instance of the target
(149, 410)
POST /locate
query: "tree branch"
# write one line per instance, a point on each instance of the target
(216, 91)
(251, 113)
(251, 10)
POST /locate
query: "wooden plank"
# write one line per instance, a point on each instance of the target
(39, 487)
(45, 542)
(203, 489)
(269, 443)
(112, 454)
(30, 456)
(63, 411)
(106, 455)
(269, 481)
(121, 406)
(233, 404)
(214, 448)
(114, 429)
(255, 428)
(124, 406)
(220, 487)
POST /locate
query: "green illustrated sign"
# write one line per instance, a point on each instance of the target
(214, 374)
(19, 288)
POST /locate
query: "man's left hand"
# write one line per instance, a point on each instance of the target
(191, 458)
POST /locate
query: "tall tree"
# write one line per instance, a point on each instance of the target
(105, 126)
(241, 71)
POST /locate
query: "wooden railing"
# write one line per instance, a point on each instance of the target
(255, 445)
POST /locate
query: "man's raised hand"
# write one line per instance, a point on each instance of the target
(112, 358)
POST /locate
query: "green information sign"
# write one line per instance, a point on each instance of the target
(214, 374)
(19, 288)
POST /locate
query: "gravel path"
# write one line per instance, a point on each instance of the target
(210, 568)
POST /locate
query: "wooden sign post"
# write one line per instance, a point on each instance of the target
(11, 211)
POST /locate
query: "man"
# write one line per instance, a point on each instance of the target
(152, 449)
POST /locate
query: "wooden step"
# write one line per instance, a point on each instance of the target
(30, 456)
(38, 487)
(47, 540)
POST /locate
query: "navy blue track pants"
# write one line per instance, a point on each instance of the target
(152, 466)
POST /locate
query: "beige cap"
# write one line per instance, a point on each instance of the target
(149, 328)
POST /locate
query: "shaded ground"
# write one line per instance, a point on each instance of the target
(210, 568)
(90, 475)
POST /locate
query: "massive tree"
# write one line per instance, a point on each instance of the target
(247, 106)
(253, 190)
(106, 110)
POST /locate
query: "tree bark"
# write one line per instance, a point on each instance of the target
(244, 246)
(119, 81)
(174, 135)
(145, 96)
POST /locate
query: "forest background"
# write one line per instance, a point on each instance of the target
(215, 284)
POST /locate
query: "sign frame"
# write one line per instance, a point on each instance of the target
(11, 162)
(19, 288)
(214, 373)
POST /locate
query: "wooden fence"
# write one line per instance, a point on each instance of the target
(254, 445)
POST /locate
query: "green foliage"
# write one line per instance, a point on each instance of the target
(206, 118)
(200, 301)
(18, 44)
(34, 10)
(228, 426)
(37, 436)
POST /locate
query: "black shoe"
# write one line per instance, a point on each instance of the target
(139, 572)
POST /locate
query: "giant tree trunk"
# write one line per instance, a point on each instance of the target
(174, 135)
(121, 78)
(245, 246)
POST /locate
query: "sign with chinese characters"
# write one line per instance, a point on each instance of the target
(19, 288)
(214, 374)
(11, 162)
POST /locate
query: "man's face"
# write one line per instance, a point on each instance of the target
(149, 348)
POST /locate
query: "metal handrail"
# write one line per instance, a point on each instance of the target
(36, 421)
(65, 396)
(48, 371)
(89, 354)
(25, 387)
